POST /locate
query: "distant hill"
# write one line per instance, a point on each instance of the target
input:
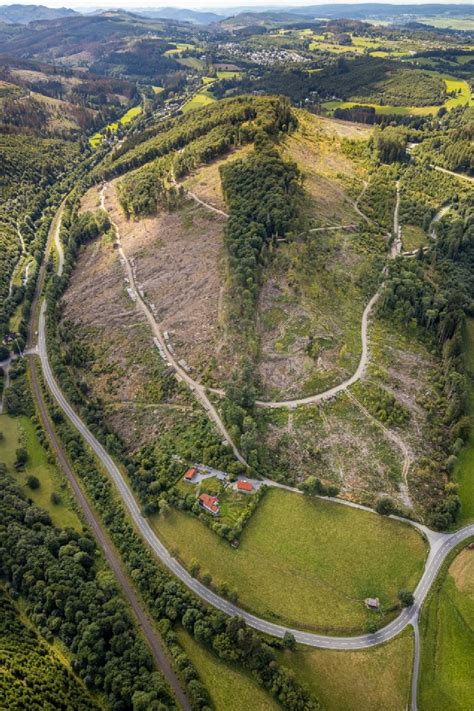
(381, 10)
(242, 16)
(181, 14)
(239, 18)
(23, 14)
(263, 19)
(95, 34)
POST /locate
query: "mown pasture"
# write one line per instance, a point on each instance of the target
(305, 562)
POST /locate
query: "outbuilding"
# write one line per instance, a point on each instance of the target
(190, 474)
(373, 603)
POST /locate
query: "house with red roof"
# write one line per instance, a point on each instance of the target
(209, 503)
(244, 486)
(190, 474)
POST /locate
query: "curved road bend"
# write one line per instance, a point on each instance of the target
(319, 397)
(327, 394)
(160, 656)
(441, 544)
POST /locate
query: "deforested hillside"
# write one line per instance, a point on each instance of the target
(257, 234)
(236, 340)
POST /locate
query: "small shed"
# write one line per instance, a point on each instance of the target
(244, 485)
(190, 474)
(372, 603)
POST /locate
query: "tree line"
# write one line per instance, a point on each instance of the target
(170, 603)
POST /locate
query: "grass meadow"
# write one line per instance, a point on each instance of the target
(228, 685)
(307, 563)
(447, 638)
(369, 679)
(20, 432)
(463, 96)
(203, 98)
(127, 118)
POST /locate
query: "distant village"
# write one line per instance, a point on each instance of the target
(264, 56)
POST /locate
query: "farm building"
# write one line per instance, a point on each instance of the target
(190, 474)
(210, 503)
(244, 485)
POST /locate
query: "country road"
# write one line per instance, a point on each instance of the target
(327, 394)
(461, 176)
(158, 651)
(440, 544)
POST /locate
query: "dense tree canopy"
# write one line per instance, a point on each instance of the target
(54, 571)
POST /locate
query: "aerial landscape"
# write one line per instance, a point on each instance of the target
(237, 357)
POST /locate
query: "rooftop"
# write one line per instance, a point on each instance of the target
(211, 503)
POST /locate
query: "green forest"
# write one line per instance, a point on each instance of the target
(33, 674)
(55, 571)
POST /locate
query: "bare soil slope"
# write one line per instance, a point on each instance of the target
(179, 263)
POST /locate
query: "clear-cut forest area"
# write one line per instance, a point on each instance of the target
(237, 358)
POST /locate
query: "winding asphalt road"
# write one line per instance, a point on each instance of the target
(440, 544)
(157, 649)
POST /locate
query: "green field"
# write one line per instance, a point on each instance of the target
(203, 98)
(228, 686)
(329, 43)
(192, 62)
(228, 75)
(178, 48)
(465, 24)
(463, 97)
(369, 679)
(447, 639)
(464, 472)
(20, 432)
(399, 110)
(413, 237)
(463, 92)
(157, 89)
(127, 118)
(308, 563)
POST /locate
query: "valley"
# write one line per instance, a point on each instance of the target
(237, 282)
